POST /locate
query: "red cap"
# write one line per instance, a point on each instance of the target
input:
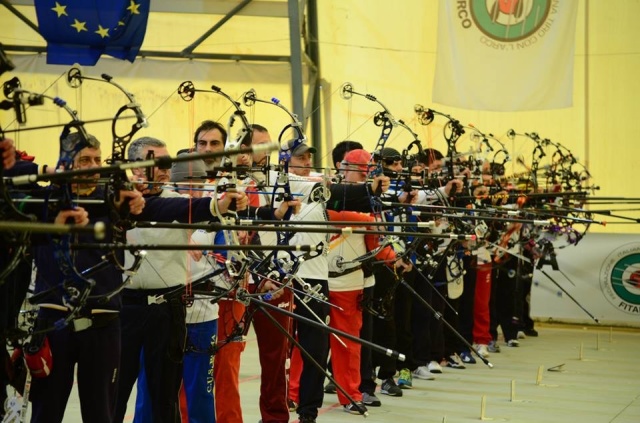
(360, 158)
(22, 155)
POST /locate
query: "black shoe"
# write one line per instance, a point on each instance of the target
(531, 332)
(371, 400)
(292, 404)
(352, 409)
(390, 388)
(307, 419)
(330, 388)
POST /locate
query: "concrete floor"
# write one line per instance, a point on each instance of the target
(599, 382)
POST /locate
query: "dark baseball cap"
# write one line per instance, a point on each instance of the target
(389, 152)
(296, 148)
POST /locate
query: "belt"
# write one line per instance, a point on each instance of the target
(96, 321)
(85, 320)
(346, 272)
(147, 296)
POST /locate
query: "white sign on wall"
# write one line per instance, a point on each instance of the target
(601, 274)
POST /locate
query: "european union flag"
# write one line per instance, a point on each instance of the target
(80, 31)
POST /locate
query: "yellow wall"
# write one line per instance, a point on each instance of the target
(384, 48)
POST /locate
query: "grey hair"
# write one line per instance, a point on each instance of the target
(72, 140)
(134, 152)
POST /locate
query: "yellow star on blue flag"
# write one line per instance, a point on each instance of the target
(103, 32)
(79, 26)
(60, 9)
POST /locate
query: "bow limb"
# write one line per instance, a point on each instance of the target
(281, 191)
(383, 119)
(74, 287)
(237, 262)
(561, 175)
(489, 160)
(119, 180)
(75, 78)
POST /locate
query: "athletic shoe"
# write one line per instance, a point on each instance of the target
(352, 409)
(493, 347)
(330, 388)
(292, 404)
(423, 373)
(467, 358)
(434, 367)
(454, 362)
(531, 332)
(405, 381)
(513, 343)
(390, 388)
(521, 335)
(371, 400)
(307, 419)
(482, 350)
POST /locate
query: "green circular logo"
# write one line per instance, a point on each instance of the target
(620, 278)
(509, 20)
(625, 278)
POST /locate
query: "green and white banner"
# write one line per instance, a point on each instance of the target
(602, 274)
(505, 55)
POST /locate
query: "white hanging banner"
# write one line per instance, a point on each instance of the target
(505, 55)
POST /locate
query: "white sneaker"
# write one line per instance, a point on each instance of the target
(423, 373)
(493, 347)
(482, 349)
(521, 335)
(434, 367)
(454, 361)
(513, 343)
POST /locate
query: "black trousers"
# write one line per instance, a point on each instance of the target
(157, 331)
(452, 343)
(466, 301)
(421, 315)
(316, 342)
(503, 300)
(384, 327)
(403, 315)
(428, 343)
(96, 352)
(523, 304)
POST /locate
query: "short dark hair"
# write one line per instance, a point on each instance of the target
(248, 137)
(342, 148)
(210, 125)
(258, 127)
(430, 155)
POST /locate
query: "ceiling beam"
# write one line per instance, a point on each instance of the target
(264, 8)
(171, 54)
(189, 49)
(19, 15)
